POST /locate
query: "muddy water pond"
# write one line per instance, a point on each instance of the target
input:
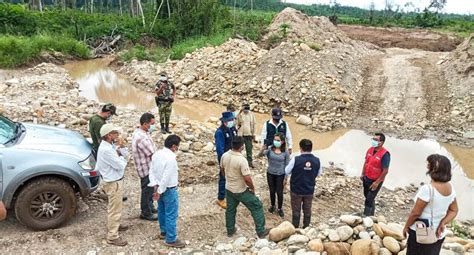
(344, 148)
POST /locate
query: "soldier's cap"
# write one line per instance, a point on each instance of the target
(107, 129)
(277, 113)
(163, 78)
(110, 108)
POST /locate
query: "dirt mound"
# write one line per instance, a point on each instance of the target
(459, 72)
(402, 38)
(301, 27)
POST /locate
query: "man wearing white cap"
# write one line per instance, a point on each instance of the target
(111, 163)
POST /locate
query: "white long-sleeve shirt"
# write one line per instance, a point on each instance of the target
(163, 170)
(288, 136)
(109, 164)
(291, 164)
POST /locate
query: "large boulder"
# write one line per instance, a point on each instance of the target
(334, 236)
(394, 230)
(344, 232)
(384, 251)
(333, 248)
(297, 239)
(365, 247)
(283, 231)
(351, 220)
(368, 222)
(378, 229)
(391, 244)
(316, 245)
(304, 120)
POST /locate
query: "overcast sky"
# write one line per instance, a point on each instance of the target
(452, 6)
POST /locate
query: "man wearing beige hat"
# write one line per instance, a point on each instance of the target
(111, 163)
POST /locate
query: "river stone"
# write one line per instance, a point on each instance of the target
(368, 222)
(189, 79)
(260, 243)
(447, 252)
(197, 146)
(209, 147)
(305, 47)
(344, 232)
(304, 120)
(391, 244)
(381, 219)
(455, 247)
(189, 137)
(351, 220)
(337, 248)
(298, 239)
(377, 239)
(240, 241)
(378, 229)
(283, 231)
(364, 235)
(394, 230)
(224, 247)
(316, 245)
(456, 240)
(264, 251)
(365, 247)
(333, 236)
(184, 147)
(312, 233)
(384, 251)
(300, 252)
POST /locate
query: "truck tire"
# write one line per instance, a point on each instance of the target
(45, 203)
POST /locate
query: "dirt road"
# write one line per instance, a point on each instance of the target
(404, 90)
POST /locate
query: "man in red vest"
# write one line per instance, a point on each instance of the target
(377, 161)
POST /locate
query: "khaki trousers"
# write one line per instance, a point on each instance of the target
(114, 191)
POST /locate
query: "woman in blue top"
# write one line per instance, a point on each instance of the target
(278, 158)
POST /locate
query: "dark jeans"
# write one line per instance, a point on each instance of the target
(221, 187)
(370, 195)
(248, 148)
(414, 248)
(146, 201)
(252, 203)
(275, 184)
(299, 202)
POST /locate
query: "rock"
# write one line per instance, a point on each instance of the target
(333, 236)
(316, 245)
(344, 232)
(377, 239)
(381, 219)
(365, 247)
(264, 251)
(213, 119)
(305, 47)
(261, 243)
(188, 190)
(304, 120)
(394, 230)
(456, 240)
(455, 247)
(240, 241)
(337, 248)
(209, 147)
(468, 135)
(196, 146)
(471, 232)
(351, 220)
(378, 230)
(283, 231)
(384, 251)
(300, 252)
(189, 137)
(364, 235)
(298, 239)
(368, 222)
(446, 252)
(304, 91)
(469, 246)
(224, 247)
(184, 147)
(391, 244)
(312, 234)
(188, 80)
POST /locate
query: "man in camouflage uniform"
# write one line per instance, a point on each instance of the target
(165, 95)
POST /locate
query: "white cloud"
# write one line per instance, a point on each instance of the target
(452, 6)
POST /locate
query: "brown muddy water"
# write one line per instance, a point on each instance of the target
(344, 148)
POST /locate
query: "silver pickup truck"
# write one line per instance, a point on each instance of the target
(42, 169)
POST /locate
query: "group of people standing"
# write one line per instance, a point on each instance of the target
(158, 172)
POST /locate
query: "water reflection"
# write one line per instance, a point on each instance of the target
(344, 147)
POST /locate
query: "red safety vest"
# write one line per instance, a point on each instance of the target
(373, 163)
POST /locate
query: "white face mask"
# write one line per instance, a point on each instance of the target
(230, 124)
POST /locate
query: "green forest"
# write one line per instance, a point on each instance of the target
(158, 30)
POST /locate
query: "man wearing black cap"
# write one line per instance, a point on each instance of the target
(223, 136)
(246, 128)
(274, 126)
(97, 121)
(165, 95)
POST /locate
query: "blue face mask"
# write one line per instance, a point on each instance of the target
(374, 143)
(151, 129)
(277, 144)
(230, 124)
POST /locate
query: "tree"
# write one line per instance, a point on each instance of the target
(371, 12)
(438, 5)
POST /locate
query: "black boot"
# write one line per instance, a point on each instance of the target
(163, 130)
(369, 211)
(296, 221)
(306, 221)
(167, 128)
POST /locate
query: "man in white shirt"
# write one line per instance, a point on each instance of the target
(111, 163)
(164, 179)
(274, 126)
